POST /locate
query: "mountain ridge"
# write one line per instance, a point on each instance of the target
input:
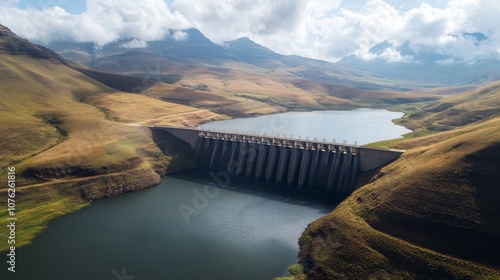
(197, 51)
(426, 67)
(432, 213)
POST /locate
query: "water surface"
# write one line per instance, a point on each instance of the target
(239, 231)
(185, 229)
(359, 125)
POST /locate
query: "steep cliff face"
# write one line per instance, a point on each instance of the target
(431, 214)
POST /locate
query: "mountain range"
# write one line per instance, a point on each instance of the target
(241, 68)
(77, 133)
(427, 67)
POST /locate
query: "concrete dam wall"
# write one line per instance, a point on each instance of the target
(295, 163)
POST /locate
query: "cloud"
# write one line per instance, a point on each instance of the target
(229, 19)
(134, 44)
(424, 28)
(103, 21)
(321, 29)
(180, 35)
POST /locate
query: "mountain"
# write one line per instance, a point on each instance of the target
(12, 44)
(253, 53)
(456, 111)
(67, 137)
(433, 213)
(426, 68)
(243, 69)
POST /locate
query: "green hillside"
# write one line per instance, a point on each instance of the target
(67, 150)
(433, 213)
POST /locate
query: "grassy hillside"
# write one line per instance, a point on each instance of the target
(74, 137)
(433, 213)
(66, 142)
(246, 70)
(282, 88)
(458, 110)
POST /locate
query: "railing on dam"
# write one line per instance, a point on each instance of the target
(298, 163)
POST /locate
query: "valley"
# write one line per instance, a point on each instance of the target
(76, 127)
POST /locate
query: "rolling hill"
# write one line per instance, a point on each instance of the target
(433, 213)
(427, 68)
(74, 134)
(245, 69)
(61, 131)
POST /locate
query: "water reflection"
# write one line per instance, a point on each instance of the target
(245, 231)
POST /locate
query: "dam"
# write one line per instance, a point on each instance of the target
(297, 163)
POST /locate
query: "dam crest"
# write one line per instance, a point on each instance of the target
(296, 163)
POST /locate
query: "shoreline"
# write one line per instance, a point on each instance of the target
(77, 202)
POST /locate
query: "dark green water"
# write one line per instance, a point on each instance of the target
(239, 231)
(184, 229)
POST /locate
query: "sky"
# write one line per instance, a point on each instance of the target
(323, 29)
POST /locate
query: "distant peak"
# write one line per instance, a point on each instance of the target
(12, 44)
(243, 42)
(380, 47)
(4, 31)
(244, 39)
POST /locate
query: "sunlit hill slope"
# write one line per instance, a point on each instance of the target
(65, 147)
(433, 213)
(245, 69)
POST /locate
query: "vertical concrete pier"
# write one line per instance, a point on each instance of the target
(289, 162)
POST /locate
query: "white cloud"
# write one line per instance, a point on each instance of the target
(315, 28)
(134, 44)
(103, 21)
(180, 35)
(449, 61)
(391, 55)
(229, 19)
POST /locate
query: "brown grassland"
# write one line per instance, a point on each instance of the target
(433, 213)
(73, 139)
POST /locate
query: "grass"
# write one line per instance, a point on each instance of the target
(297, 271)
(288, 87)
(431, 214)
(225, 104)
(33, 216)
(60, 130)
(455, 111)
(396, 143)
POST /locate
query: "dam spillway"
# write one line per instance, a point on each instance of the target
(296, 163)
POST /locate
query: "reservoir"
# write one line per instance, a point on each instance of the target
(180, 229)
(197, 224)
(362, 126)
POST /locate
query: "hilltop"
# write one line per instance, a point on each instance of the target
(433, 213)
(74, 134)
(427, 67)
(62, 132)
(243, 68)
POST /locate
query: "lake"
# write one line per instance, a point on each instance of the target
(188, 227)
(180, 229)
(362, 126)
